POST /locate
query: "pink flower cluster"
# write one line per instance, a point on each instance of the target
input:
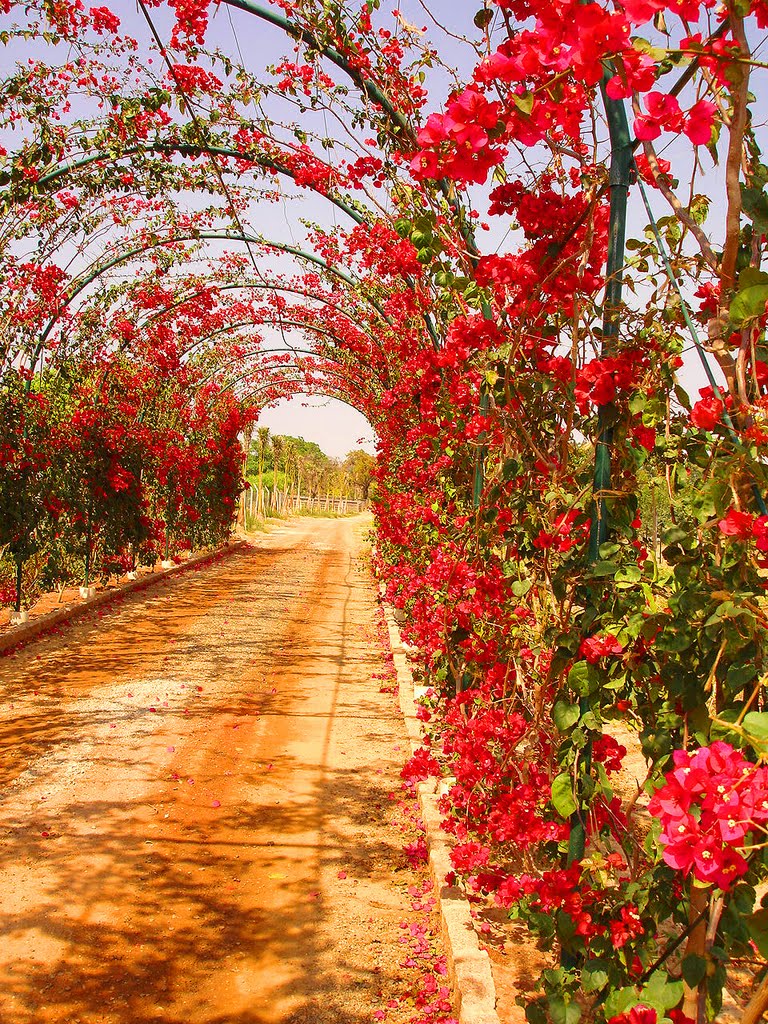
(707, 806)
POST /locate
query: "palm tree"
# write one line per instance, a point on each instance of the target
(262, 442)
(289, 461)
(247, 438)
(277, 451)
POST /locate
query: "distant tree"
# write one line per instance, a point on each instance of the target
(358, 467)
(277, 453)
(262, 446)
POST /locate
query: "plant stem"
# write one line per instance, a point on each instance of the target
(696, 945)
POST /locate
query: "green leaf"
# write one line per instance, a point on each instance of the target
(674, 535)
(629, 574)
(752, 277)
(563, 1011)
(755, 204)
(694, 969)
(755, 726)
(562, 795)
(748, 303)
(674, 639)
(656, 53)
(483, 17)
(620, 1001)
(584, 678)
(521, 587)
(699, 208)
(682, 396)
(565, 715)
(757, 926)
(590, 721)
(738, 676)
(604, 568)
(523, 103)
(661, 993)
(608, 550)
(638, 401)
(594, 975)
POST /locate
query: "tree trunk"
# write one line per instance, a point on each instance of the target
(19, 580)
(696, 945)
(757, 1005)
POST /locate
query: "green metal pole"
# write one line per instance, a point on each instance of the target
(620, 179)
(477, 486)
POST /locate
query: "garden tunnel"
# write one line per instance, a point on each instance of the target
(429, 225)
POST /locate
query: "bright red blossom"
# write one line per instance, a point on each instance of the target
(707, 806)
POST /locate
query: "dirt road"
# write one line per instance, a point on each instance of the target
(198, 810)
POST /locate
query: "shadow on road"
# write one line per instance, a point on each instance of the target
(199, 803)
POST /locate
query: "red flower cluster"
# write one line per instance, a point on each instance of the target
(664, 114)
(593, 648)
(637, 1015)
(600, 381)
(707, 806)
(568, 530)
(708, 411)
(103, 20)
(744, 526)
(455, 144)
(192, 79)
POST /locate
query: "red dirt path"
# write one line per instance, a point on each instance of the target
(197, 820)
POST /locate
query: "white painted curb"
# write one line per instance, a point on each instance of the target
(469, 967)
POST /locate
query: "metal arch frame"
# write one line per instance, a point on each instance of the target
(274, 286)
(297, 387)
(205, 236)
(276, 351)
(187, 149)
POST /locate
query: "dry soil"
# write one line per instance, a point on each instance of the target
(198, 801)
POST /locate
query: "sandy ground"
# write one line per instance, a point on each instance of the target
(199, 802)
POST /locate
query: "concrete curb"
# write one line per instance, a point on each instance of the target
(17, 636)
(469, 967)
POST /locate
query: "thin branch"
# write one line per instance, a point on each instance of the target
(736, 130)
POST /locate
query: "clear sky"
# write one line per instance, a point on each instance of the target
(335, 427)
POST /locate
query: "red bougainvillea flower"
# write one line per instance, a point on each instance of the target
(420, 766)
(566, 533)
(626, 927)
(699, 122)
(709, 293)
(592, 648)
(664, 114)
(760, 533)
(736, 524)
(653, 176)
(707, 806)
(637, 73)
(609, 752)
(708, 411)
(645, 436)
(637, 1015)
(469, 857)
